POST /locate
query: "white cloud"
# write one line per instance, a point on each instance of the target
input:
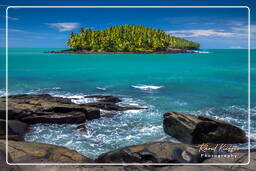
(13, 18)
(197, 33)
(13, 30)
(244, 28)
(64, 26)
(236, 23)
(10, 18)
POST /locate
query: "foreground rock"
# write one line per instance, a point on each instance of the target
(32, 152)
(157, 152)
(192, 129)
(16, 129)
(242, 158)
(44, 108)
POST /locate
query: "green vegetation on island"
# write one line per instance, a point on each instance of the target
(127, 38)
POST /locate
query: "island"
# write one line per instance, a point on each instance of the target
(127, 39)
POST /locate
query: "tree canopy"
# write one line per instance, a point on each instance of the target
(127, 38)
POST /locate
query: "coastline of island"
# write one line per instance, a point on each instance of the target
(84, 51)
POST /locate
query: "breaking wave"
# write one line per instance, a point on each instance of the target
(147, 87)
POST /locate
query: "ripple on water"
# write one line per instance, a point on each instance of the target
(105, 134)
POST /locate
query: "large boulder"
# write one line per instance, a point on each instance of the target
(43, 108)
(156, 152)
(193, 129)
(33, 152)
(16, 129)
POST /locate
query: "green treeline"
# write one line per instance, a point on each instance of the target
(127, 38)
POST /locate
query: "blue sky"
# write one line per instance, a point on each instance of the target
(50, 28)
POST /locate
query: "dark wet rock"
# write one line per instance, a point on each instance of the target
(81, 128)
(44, 108)
(107, 115)
(32, 152)
(113, 106)
(110, 103)
(157, 152)
(92, 113)
(105, 98)
(193, 129)
(16, 129)
(56, 119)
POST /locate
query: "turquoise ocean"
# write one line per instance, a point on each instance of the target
(211, 82)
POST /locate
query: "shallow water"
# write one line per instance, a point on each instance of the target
(212, 83)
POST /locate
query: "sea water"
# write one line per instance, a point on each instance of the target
(211, 82)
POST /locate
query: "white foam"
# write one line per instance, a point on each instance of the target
(56, 88)
(2, 93)
(101, 88)
(150, 130)
(138, 103)
(83, 100)
(130, 137)
(197, 51)
(147, 87)
(78, 99)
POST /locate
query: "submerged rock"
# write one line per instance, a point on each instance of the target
(111, 103)
(113, 106)
(43, 108)
(81, 128)
(16, 129)
(107, 115)
(192, 129)
(156, 152)
(33, 152)
(104, 98)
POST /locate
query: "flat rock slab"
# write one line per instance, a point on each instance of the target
(193, 129)
(157, 152)
(33, 152)
(44, 108)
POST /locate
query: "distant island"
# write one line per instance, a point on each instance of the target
(127, 39)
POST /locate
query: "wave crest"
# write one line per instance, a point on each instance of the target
(147, 87)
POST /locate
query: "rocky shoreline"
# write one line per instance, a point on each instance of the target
(190, 130)
(83, 51)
